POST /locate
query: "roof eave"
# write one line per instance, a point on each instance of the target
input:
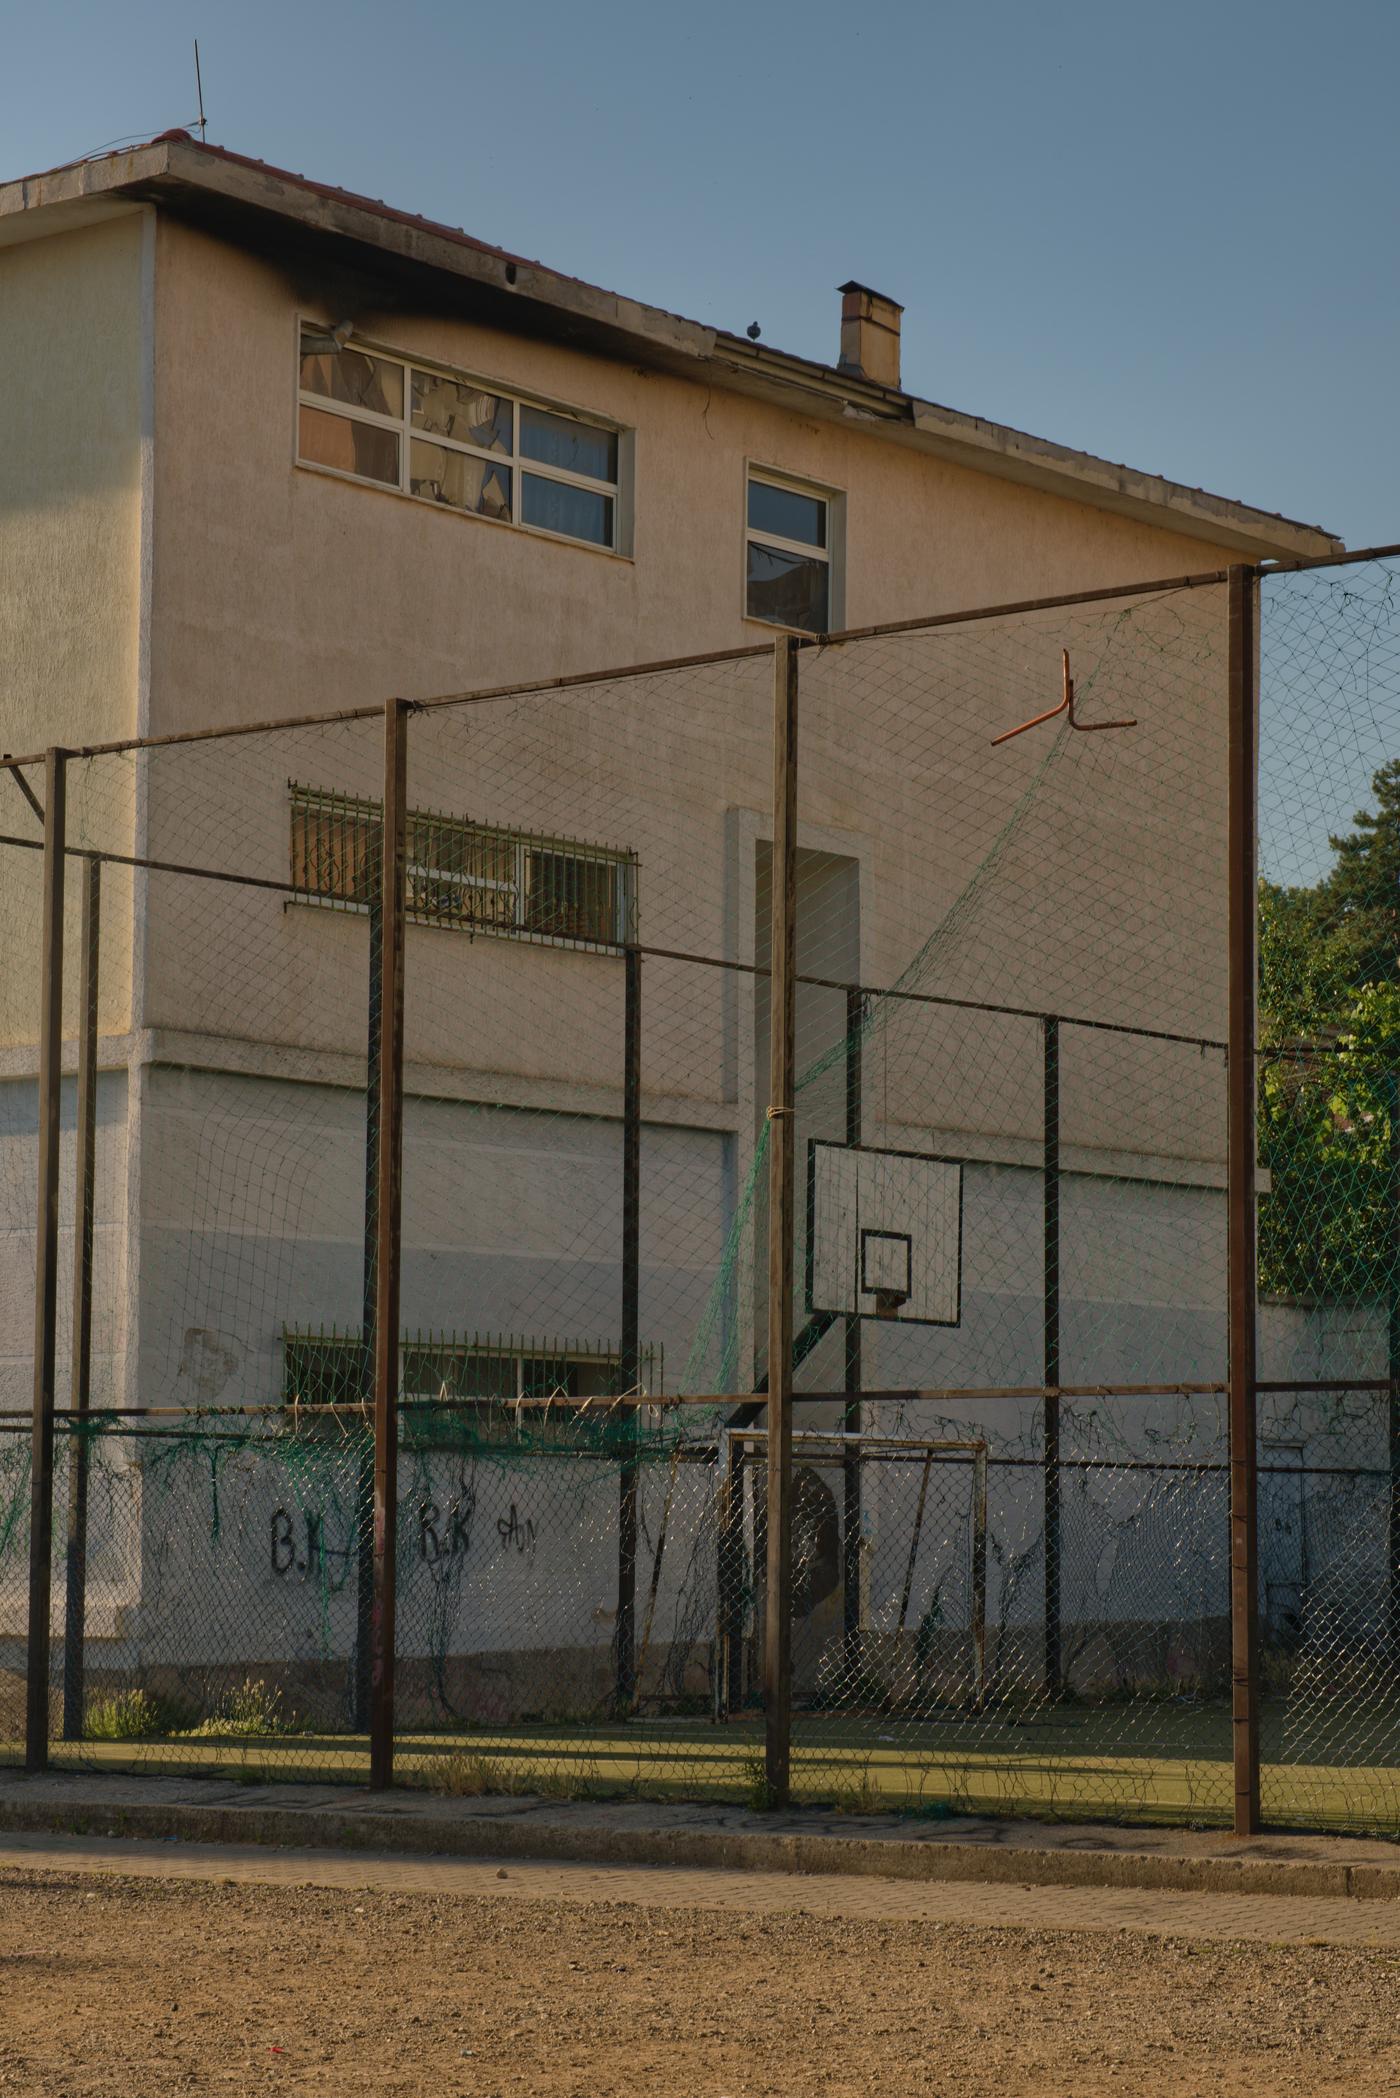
(1038, 463)
(183, 176)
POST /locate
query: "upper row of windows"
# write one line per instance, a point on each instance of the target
(447, 438)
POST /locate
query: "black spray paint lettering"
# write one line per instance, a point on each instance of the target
(307, 1554)
(449, 1536)
(513, 1529)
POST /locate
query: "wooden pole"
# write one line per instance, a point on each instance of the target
(80, 1387)
(1243, 1144)
(629, 1352)
(36, 1732)
(388, 1241)
(1050, 1352)
(782, 1017)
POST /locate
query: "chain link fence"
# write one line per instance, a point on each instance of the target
(1329, 1215)
(1008, 1506)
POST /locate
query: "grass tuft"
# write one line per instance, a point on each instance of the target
(466, 1776)
(251, 1710)
(127, 1715)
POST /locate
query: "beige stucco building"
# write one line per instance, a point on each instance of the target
(269, 449)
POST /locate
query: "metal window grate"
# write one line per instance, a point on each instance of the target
(327, 1368)
(474, 876)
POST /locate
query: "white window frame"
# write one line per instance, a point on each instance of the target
(833, 553)
(618, 491)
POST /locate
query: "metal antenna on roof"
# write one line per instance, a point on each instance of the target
(199, 89)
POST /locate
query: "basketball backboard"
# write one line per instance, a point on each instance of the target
(884, 1234)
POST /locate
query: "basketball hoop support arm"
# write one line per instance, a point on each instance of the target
(1066, 706)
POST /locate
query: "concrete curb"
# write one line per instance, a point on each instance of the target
(590, 1842)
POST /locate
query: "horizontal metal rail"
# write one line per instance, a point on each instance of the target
(573, 681)
(668, 954)
(1342, 560)
(971, 1005)
(540, 687)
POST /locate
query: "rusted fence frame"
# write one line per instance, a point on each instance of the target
(782, 1021)
(388, 1238)
(80, 1380)
(1050, 1349)
(36, 1722)
(629, 1353)
(1242, 1180)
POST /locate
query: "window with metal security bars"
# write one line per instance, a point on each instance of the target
(456, 441)
(330, 1369)
(464, 874)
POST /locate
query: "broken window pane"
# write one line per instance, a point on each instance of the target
(787, 589)
(557, 440)
(787, 514)
(459, 480)
(351, 447)
(450, 408)
(352, 376)
(557, 506)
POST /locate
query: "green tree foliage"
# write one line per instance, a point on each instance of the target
(1329, 1032)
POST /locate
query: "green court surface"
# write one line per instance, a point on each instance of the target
(1144, 1762)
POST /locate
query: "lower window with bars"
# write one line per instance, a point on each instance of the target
(471, 875)
(331, 1369)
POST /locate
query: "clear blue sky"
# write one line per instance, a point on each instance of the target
(1164, 234)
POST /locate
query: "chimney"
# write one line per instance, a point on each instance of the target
(870, 334)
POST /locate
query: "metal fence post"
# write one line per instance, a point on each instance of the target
(629, 1352)
(1392, 1102)
(388, 1240)
(1050, 1351)
(852, 1521)
(1242, 1178)
(36, 1730)
(782, 1016)
(364, 1480)
(80, 1387)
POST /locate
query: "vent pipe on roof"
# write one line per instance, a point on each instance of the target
(870, 334)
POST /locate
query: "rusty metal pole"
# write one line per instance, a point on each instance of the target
(732, 1581)
(1243, 1146)
(629, 1353)
(36, 1728)
(388, 1241)
(364, 1472)
(80, 1385)
(1050, 1352)
(852, 1521)
(979, 1579)
(1392, 1214)
(782, 1020)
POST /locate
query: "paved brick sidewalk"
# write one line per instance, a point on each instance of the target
(1255, 1918)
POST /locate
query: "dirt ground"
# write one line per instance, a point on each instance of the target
(143, 1988)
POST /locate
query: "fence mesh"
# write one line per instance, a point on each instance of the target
(1329, 1213)
(1011, 1483)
